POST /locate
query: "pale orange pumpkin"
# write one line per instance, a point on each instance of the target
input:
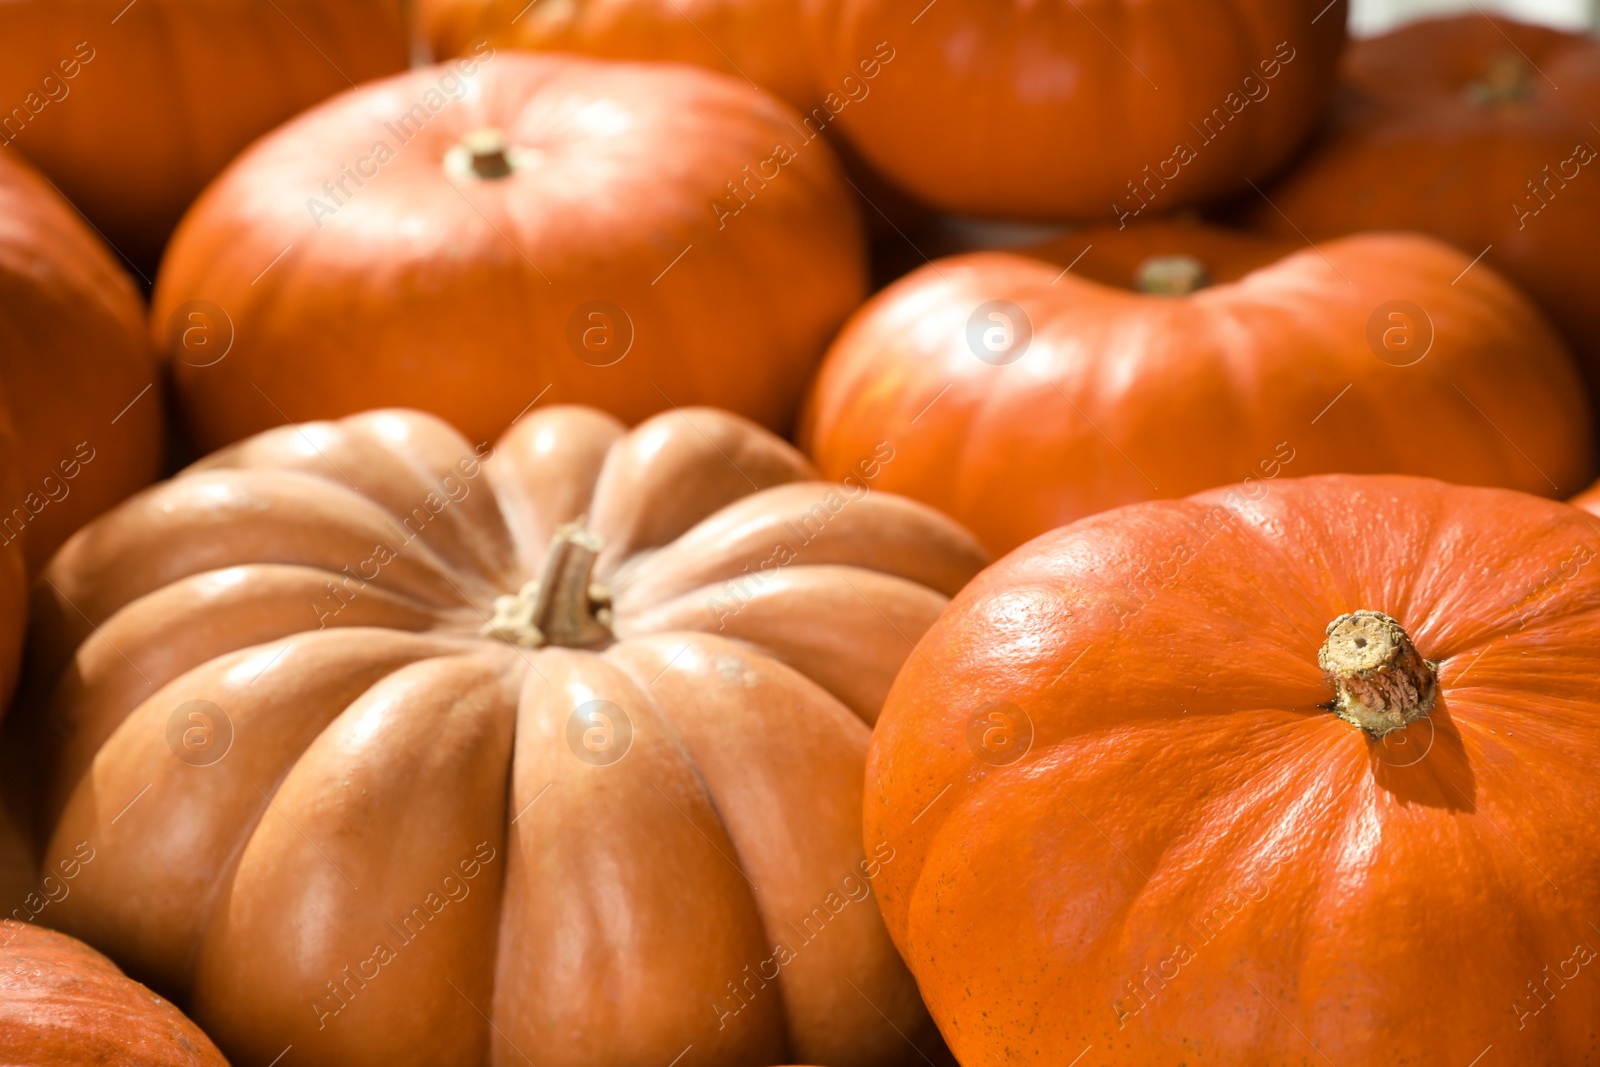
(396, 749)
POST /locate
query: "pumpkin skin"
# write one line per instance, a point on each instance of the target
(1417, 140)
(1000, 109)
(161, 102)
(756, 39)
(470, 297)
(383, 706)
(1174, 777)
(63, 1003)
(1121, 396)
(1588, 500)
(79, 375)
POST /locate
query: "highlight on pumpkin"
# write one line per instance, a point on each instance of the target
(743, 533)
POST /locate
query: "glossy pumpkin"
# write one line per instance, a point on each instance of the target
(599, 702)
(1019, 396)
(132, 108)
(582, 254)
(762, 40)
(79, 376)
(1129, 725)
(1477, 130)
(64, 1004)
(1052, 111)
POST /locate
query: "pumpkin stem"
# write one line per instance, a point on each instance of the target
(1171, 276)
(1508, 80)
(1381, 680)
(561, 606)
(487, 152)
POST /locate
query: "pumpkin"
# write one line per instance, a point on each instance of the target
(1052, 111)
(63, 1003)
(573, 727)
(1019, 396)
(1589, 499)
(510, 227)
(1227, 779)
(756, 40)
(1456, 127)
(13, 568)
(79, 376)
(132, 108)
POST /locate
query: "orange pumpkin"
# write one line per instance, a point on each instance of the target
(566, 229)
(131, 108)
(1019, 396)
(757, 40)
(79, 376)
(64, 1004)
(1589, 499)
(1476, 130)
(443, 752)
(1144, 812)
(1051, 111)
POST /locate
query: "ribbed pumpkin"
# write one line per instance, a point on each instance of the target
(1141, 824)
(1019, 396)
(397, 749)
(78, 375)
(468, 238)
(1478, 130)
(64, 1004)
(131, 108)
(1017, 109)
(762, 40)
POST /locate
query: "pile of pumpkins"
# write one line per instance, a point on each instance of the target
(840, 532)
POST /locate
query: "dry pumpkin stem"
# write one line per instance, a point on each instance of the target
(562, 606)
(1381, 680)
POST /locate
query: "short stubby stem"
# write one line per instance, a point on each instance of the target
(1171, 276)
(563, 606)
(488, 153)
(1380, 679)
(1508, 80)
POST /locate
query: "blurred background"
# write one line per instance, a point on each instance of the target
(1368, 17)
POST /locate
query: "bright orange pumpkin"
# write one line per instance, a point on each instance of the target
(1019, 396)
(1479, 131)
(567, 229)
(445, 752)
(78, 375)
(64, 1004)
(1140, 819)
(131, 108)
(760, 40)
(1016, 109)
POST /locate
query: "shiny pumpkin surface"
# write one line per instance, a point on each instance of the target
(332, 811)
(79, 376)
(1136, 833)
(1019, 109)
(64, 1004)
(132, 108)
(605, 267)
(1478, 131)
(757, 39)
(1020, 397)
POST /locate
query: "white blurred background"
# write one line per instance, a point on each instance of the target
(1368, 17)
